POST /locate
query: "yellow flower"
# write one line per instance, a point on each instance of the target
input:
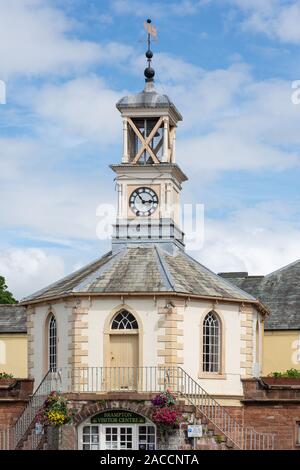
(56, 417)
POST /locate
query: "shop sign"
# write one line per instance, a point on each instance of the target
(118, 417)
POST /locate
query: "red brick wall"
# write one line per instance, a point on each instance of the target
(278, 419)
(272, 409)
(13, 399)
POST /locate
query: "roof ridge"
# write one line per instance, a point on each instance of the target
(283, 268)
(164, 268)
(230, 284)
(102, 269)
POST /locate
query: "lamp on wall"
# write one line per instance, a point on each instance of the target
(169, 306)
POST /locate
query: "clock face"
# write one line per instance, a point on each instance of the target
(143, 201)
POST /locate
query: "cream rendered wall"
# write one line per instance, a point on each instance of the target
(193, 320)
(13, 354)
(281, 351)
(146, 310)
(102, 308)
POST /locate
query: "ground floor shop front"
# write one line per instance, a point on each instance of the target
(117, 430)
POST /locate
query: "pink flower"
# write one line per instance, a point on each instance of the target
(167, 416)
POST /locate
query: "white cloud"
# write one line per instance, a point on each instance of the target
(14, 154)
(275, 18)
(54, 206)
(252, 239)
(219, 151)
(232, 121)
(43, 195)
(83, 108)
(28, 270)
(157, 9)
(34, 40)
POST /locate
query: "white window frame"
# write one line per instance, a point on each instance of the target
(101, 434)
(128, 321)
(213, 340)
(52, 343)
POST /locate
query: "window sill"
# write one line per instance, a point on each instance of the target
(203, 375)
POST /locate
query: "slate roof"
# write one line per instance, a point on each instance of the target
(279, 291)
(12, 319)
(143, 269)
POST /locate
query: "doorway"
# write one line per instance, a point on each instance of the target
(123, 353)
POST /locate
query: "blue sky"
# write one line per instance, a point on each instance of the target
(227, 64)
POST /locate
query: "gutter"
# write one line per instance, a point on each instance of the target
(257, 303)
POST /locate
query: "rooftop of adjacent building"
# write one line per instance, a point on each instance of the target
(279, 291)
(12, 318)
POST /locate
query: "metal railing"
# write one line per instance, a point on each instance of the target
(242, 437)
(103, 380)
(113, 379)
(157, 379)
(5, 438)
(26, 421)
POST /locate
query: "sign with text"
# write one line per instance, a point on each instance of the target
(195, 430)
(118, 417)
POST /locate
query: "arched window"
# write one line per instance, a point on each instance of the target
(52, 343)
(211, 343)
(124, 321)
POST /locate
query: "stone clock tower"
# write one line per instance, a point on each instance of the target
(148, 179)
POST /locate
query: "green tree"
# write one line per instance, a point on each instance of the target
(6, 297)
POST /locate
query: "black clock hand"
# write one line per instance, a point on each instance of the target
(143, 200)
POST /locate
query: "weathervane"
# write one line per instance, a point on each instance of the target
(151, 30)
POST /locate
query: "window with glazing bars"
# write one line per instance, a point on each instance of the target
(52, 344)
(211, 343)
(124, 321)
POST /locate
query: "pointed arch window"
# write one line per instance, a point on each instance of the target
(52, 343)
(211, 344)
(124, 321)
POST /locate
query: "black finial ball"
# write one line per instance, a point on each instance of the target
(149, 73)
(149, 54)
(149, 21)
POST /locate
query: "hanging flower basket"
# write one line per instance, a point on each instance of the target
(167, 418)
(55, 411)
(166, 414)
(164, 399)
